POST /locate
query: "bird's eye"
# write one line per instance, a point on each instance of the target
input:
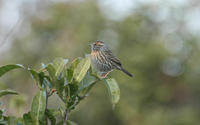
(97, 45)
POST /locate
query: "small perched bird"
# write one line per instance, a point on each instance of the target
(104, 60)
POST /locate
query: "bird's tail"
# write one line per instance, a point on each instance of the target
(125, 71)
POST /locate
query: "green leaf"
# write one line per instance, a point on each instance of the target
(51, 70)
(41, 78)
(1, 114)
(71, 122)
(86, 84)
(59, 64)
(73, 89)
(34, 74)
(38, 107)
(60, 122)
(70, 70)
(7, 68)
(3, 122)
(7, 92)
(59, 83)
(27, 119)
(81, 70)
(87, 81)
(19, 121)
(51, 116)
(11, 120)
(38, 77)
(113, 90)
(47, 82)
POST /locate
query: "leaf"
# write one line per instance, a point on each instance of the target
(47, 82)
(113, 90)
(7, 92)
(41, 78)
(38, 107)
(51, 116)
(87, 81)
(71, 122)
(81, 70)
(11, 120)
(70, 70)
(7, 68)
(3, 122)
(73, 89)
(86, 84)
(1, 114)
(38, 77)
(51, 70)
(69, 75)
(60, 122)
(59, 64)
(27, 119)
(19, 121)
(59, 83)
(34, 74)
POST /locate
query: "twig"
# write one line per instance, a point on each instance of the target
(66, 117)
(47, 97)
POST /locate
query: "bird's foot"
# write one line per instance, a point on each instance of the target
(104, 75)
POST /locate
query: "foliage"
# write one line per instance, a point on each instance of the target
(152, 41)
(72, 84)
(7, 92)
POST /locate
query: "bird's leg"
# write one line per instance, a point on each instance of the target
(104, 75)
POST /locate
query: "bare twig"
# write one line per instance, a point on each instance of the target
(66, 117)
(47, 97)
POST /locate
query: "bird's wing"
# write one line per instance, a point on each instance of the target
(112, 57)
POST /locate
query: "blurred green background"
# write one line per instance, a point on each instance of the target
(157, 41)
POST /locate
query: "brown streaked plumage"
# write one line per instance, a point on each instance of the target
(104, 60)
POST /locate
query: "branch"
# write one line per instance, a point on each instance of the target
(66, 117)
(47, 97)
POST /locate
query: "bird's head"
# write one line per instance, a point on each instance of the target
(96, 46)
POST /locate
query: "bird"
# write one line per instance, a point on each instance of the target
(104, 61)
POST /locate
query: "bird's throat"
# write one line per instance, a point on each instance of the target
(94, 53)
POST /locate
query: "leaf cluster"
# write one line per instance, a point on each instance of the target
(71, 82)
